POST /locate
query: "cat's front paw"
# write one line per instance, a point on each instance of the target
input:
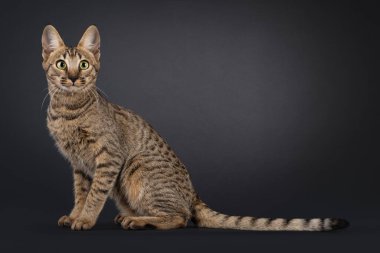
(65, 221)
(82, 224)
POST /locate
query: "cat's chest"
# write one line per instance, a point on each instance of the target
(74, 142)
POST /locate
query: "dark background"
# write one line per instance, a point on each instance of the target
(272, 105)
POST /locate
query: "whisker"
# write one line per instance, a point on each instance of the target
(43, 101)
(102, 91)
(54, 92)
(47, 94)
(96, 97)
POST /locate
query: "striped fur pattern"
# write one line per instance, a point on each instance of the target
(115, 153)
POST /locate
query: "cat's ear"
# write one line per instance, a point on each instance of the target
(50, 41)
(91, 41)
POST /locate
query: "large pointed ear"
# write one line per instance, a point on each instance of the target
(50, 41)
(91, 41)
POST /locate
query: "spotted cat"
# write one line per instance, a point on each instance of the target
(115, 153)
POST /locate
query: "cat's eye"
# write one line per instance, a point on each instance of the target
(84, 64)
(61, 64)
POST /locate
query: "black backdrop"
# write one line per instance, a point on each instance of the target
(272, 105)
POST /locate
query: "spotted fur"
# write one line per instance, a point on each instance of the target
(115, 153)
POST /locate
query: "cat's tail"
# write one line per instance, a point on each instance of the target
(203, 216)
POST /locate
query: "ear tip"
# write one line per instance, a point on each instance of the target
(49, 28)
(93, 27)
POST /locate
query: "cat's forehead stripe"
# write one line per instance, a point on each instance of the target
(71, 52)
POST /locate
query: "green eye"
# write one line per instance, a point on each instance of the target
(84, 64)
(61, 64)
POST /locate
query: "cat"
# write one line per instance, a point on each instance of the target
(115, 153)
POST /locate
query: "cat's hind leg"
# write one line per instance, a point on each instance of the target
(125, 212)
(154, 188)
(163, 223)
(121, 203)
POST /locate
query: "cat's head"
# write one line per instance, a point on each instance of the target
(71, 69)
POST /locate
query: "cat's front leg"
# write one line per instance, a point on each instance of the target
(108, 166)
(82, 183)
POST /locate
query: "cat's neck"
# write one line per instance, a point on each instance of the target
(64, 98)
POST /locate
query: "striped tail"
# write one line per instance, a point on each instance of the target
(203, 216)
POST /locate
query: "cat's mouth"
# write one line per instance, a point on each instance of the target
(71, 88)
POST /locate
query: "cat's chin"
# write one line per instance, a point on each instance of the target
(71, 89)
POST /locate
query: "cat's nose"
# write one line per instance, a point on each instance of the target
(73, 79)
